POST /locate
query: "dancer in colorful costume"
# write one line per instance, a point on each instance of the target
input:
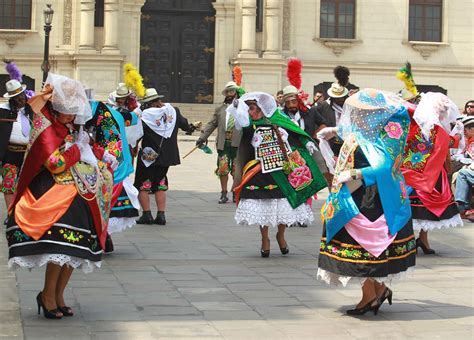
(368, 235)
(279, 174)
(109, 129)
(425, 165)
(60, 212)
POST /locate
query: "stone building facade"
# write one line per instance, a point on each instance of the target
(377, 37)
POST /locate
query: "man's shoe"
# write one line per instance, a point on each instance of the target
(146, 218)
(160, 218)
(223, 198)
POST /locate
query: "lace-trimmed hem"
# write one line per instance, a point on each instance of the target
(427, 225)
(271, 212)
(338, 280)
(33, 261)
(119, 224)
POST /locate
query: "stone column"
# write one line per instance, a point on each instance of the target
(272, 29)
(86, 39)
(111, 23)
(249, 14)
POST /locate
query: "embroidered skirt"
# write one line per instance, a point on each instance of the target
(125, 209)
(11, 166)
(343, 259)
(72, 240)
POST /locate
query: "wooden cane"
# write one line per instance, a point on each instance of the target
(190, 152)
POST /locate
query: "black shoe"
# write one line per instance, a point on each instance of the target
(364, 309)
(48, 314)
(387, 295)
(109, 246)
(284, 250)
(160, 218)
(265, 253)
(223, 198)
(302, 225)
(146, 218)
(426, 250)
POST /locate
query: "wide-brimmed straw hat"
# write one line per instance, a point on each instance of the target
(121, 91)
(337, 91)
(14, 88)
(290, 91)
(150, 94)
(231, 85)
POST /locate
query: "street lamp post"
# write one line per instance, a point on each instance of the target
(48, 19)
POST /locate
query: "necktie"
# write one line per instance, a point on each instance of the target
(231, 123)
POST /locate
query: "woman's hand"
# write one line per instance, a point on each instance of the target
(327, 133)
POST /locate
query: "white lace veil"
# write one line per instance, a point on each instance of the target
(69, 97)
(435, 109)
(240, 110)
(366, 113)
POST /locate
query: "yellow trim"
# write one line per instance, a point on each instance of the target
(348, 245)
(369, 261)
(249, 165)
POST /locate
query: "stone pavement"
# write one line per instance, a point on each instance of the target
(200, 276)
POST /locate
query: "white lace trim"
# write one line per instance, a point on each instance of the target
(32, 261)
(335, 279)
(427, 225)
(272, 212)
(119, 224)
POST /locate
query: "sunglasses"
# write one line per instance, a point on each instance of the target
(470, 106)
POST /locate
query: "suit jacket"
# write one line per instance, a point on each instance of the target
(218, 121)
(312, 120)
(7, 117)
(326, 111)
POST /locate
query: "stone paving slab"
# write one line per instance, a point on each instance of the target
(201, 277)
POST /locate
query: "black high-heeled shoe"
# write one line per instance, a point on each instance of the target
(265, 253)
(364, 309)
(48, 314)
(284, 250)
(67, 311)
(426, 250)
(387, 295)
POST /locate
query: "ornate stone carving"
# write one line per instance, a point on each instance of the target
(425, 49)
(337, 45)
(67, 23)
(12, 37)
(286, 25)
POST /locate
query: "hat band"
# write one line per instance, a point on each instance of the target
(18, 90)
(337, 93)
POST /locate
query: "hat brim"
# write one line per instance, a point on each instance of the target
(149, 99)
(8, 96)
(289, 95)
(116, 95)
(224, 91)
(332, 95)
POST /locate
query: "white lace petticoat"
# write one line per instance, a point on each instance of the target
(119, 224)
(32, 261)
(337, 280)
(272, 212)
(427, 225)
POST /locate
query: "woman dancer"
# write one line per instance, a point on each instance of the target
(426, 163)
(60, 213)
(368, 235)
(279, 174)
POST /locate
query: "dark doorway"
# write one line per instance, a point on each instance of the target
(177, 49)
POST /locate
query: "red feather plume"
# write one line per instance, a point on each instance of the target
(237, 75)
(293, 72)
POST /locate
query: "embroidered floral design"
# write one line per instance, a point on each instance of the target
(418, 150)
(20, 236)
(163, 186)
(394, 130)
(10, 177)
(37, 123)
(146, 185)
(71, 235)
(355, 253)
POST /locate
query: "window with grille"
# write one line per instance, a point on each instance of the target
(99, 13)
(337, 19)
(425, 20)
(15, 14)
(259, 23)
